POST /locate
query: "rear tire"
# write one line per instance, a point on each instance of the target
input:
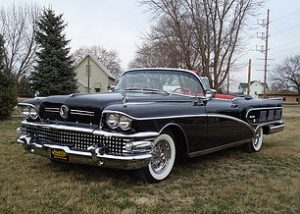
(162, 162)
(256, 142)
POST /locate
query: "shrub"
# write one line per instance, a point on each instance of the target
(8, 99)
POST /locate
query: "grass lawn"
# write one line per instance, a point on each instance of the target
(230, 181)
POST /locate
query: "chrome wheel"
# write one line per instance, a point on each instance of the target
(258, 139)
(164, 153)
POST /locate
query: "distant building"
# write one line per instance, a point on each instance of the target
(288, 97)
(256, 88)
(93, 75)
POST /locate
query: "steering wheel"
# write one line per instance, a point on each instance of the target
(183, 90)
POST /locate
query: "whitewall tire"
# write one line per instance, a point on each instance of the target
(162, 162)
(256, 142)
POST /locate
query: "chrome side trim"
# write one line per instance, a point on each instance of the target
(93, 131)
(218, 148)
(184, 116)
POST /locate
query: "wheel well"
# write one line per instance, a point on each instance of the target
(180, 141)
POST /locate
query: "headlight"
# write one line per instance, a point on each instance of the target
(112, 120)
(25, 111)
(124, 123)
(29, 111)
(33, 113)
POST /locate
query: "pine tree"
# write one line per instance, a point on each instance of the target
(8, 99)
(53, 73)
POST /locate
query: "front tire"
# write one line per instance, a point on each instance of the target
(162, 162)
(256, 142)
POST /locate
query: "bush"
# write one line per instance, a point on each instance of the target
(8, 98)
(23, 87)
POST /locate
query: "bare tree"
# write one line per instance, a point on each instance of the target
(17, 25)
(207, 32)
(109, 58)
(156, 52)
(287, 75)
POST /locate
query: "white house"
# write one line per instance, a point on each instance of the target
(256, 88)
(92, 76)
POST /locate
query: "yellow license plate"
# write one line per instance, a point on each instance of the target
(58, 154)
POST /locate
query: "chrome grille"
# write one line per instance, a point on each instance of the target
(76, 140)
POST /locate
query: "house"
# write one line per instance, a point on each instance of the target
(92, 76)
(288, 97)
(256, 88)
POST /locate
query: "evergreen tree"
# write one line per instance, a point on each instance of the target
(53, 73)
(8, 99)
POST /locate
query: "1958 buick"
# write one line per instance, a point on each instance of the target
(152, 118)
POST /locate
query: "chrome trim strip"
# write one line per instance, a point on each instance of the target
(184, 116)
(52, 111)
(218, 148)
(26, 104)
(83, 114)
(93, 131)
(47, 108)
(60, 127)
(131, 136)
(80, 111)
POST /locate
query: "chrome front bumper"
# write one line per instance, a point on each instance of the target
(138, 158)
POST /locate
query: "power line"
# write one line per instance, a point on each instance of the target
(286, 16)
(286, 30)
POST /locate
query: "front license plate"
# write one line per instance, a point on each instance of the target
(58, 154)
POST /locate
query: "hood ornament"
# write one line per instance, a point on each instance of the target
(64, 112)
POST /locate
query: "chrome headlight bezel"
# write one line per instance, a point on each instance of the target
(112, 120)
(25, 111)
(33, 114)
(29, 111)
(115, 120)
(124, 123)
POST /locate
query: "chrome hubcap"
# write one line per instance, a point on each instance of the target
(161, 154)
(257, 139)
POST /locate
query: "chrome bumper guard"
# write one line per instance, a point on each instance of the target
(274, 128)
(141, 143)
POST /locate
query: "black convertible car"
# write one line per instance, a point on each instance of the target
(152, 118)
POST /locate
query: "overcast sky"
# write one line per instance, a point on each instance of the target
(119, 24)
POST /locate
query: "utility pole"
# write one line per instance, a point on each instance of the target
(265, 36)
(88, 72)
(249, 77)
(228, 82)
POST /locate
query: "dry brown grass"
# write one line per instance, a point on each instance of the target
(230, 181)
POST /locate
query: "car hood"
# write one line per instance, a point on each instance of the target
(103, 100)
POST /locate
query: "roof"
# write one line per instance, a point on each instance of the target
(98, 63)
(282, 93)
(245, 85)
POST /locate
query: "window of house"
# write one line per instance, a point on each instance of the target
(284, 99)
(297, 99)
(97, 89)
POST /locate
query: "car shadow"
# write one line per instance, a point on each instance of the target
(118, 177)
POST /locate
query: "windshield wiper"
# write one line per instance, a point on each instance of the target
(146, 90)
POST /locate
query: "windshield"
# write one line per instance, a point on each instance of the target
(166, 81)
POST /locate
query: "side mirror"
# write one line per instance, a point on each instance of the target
(111, 88)
(209, 93)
